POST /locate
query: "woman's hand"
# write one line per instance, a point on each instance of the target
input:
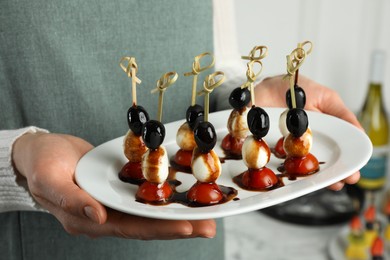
(271, 92)
(48, 161)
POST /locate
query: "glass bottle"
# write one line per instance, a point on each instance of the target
(374, 120)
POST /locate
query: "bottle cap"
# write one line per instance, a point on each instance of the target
(378, 58)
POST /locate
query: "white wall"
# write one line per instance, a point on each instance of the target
(344, 32)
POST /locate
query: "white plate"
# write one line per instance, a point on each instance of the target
(343, 148)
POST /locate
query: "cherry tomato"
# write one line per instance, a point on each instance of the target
(232, 145)
(183, 157)
(154, 192)
(279, 150)
(301, 165)
(205, 193)
(259, 178)
(131, 171)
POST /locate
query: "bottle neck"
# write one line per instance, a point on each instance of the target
(374, 94)
(377, 67)
(375, 89)
(376, 78)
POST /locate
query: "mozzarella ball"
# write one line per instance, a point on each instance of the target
(237, 123)
(282, 123)
(206, 167)
(134, 147)
(185, 137)
(255, 153)
(298, 146)
(155, 166)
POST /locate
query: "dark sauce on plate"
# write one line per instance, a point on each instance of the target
(229, 193)
(229, 156)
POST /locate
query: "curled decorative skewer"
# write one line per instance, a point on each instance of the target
(162, 84)
(196, 69)
(294, 61)
(195, 112)
(136, 115)
(262, 50)
(251, 78)
(209, 85)
(307, 50)
(131, 69)
(204, 132)
(299, 55)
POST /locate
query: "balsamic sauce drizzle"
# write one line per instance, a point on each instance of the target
(229, 193)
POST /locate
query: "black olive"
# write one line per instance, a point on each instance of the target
(239, 98)
(153, 134)
(258, 122)
(205, 136)
(194, 115)
(297, 121)
(300, 97)
(136, 117)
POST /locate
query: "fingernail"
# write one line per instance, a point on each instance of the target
(208, 235)
(92, 214)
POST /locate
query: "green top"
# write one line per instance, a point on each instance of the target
(59, 70)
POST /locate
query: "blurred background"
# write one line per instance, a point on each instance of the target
(343, 33)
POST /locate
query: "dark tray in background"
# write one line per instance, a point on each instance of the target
(323, 207)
